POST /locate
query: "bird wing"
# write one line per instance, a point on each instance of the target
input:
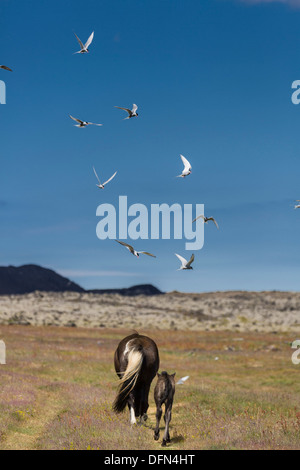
(199, 216)
(89, 41)
(187, 165)
(134, 108)
(125, 109)
(182, 259)
(130, 248)
(190, 261)
(75, 119)
(80, 43)
(214, 221)
(182, 380)
(110, 178)
(94, 124)
(146, 253)
(5, 68)
(96, 175)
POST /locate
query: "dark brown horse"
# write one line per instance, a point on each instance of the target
(136, 363)
(164, 393)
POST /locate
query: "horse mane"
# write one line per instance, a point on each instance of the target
(135, 332)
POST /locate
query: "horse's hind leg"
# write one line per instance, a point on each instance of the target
(144, 405)
(167, 419)
(131, 409)
(158, 416)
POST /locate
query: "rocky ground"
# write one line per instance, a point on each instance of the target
(239, 311)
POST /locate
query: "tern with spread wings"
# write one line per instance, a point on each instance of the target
(187, 168)
(83, 123)
(133, 251)
(184, 263)
(206, 219)
(131, 112)
(84, 47)
(101, 185)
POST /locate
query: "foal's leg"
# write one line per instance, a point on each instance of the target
(167, 419)
(158, 416)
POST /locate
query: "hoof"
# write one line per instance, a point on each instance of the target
(163, 444)
(156, 437)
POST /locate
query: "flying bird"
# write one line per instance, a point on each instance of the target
(101, 185)
(5, 68)
(84, 47)
(187, 167)
(297, 206)
(182, 380)
(83, 123)
(132, 250)
(131, 113)
(206, 219)
(184, 263)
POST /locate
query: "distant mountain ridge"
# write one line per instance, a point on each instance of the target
(142, 289)
(30, 277)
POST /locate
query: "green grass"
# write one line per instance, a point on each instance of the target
(59, 383)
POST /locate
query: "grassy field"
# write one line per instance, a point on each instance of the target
(59, 383)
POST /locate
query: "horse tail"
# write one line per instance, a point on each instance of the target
(129, 379)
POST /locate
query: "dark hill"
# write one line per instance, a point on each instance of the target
(142, 289)
(28, 278)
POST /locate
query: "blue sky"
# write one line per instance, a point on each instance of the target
(212, 80)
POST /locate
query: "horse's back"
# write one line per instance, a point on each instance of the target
(141, 343)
